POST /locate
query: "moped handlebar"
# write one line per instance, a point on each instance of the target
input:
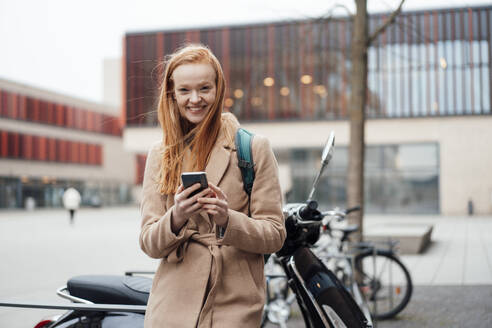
(306, 212)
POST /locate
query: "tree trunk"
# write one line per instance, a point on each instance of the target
(355, 183)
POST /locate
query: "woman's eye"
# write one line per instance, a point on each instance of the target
(205, 88)
(182, 90)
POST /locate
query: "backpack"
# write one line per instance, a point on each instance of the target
(244, 141)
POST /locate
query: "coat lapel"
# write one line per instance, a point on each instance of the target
(219, 158)
(218, 163)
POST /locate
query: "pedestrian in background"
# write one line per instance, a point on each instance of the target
(211, 245)
(71, 202)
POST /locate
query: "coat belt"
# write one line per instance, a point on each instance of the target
(210, 241)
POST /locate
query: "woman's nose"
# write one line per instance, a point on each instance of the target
(194, 97)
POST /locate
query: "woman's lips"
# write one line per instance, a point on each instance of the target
(196, 109)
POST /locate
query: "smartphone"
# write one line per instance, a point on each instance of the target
(190, 178)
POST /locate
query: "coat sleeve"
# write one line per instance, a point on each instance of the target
(264, 231)
(156, 237)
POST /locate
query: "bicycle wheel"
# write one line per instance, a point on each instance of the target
(386, 283)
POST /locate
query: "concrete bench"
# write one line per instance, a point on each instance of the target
(412, 238)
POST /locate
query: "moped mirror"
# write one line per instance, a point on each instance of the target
(328, 150)
(325, 159)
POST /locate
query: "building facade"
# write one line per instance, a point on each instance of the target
(428, 114)
(49, 142)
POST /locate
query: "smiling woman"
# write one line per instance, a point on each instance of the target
(190, 110)
(211, 244)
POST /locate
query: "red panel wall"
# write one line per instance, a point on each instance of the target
(25, 108)
(32, 147)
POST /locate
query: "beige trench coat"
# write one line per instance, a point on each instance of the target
(204, 280)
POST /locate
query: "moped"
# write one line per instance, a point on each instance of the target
(98, 301)
(322, 299)
(120, 301)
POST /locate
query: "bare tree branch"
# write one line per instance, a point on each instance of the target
(387, 23)
(349, 13)
(327, 17)
(330, 14)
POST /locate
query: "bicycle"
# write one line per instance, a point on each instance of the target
(375, 276)
(279, 297)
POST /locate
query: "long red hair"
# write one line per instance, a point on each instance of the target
(178, 134)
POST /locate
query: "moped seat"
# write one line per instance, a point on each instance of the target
(108, 289)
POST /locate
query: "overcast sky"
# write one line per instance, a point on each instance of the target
(60, 45)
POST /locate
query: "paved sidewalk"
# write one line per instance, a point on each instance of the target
(460, 252)
(105, 241)
(452, 278)
(435, 307)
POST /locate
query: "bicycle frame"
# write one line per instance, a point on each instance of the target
(340, 250)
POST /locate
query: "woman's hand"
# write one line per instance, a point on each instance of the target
(185, 207)
(216, 206)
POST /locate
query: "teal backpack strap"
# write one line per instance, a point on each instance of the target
(244, 141)
(244, 145)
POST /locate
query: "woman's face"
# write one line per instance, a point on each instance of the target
(194, 90)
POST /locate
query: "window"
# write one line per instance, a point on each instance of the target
(398, 178)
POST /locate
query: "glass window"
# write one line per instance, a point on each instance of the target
(398, 178)
(372, 158)
(414, 156)
(49, 193)
(486, 89)
(423, 80)
(458, 68)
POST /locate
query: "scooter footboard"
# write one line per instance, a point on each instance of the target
(330, 296)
